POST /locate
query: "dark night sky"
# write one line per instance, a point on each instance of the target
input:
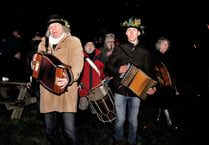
(184, 23)
(160, 17)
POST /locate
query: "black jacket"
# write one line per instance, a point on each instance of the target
(165, 95)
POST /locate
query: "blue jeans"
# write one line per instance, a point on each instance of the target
(133, 104)
(53, 122)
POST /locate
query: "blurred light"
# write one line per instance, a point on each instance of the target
(195, 46)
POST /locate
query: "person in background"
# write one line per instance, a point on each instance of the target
(15, 45)
(124, 98)
(33, 84)
(60, 110)
(109, 45)
(93, 72)
(15, 55)
(166, 86)
(3, 57)
(107, 49)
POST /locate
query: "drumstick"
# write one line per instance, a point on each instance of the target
(101, 83)
(91, 90)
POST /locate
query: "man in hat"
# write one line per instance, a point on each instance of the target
(92, 74)
(131, 51)
(61, 109)
(109, 45)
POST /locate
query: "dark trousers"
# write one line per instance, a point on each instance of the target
(66, 120)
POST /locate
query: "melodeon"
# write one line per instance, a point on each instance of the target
(137, 81)
(163, 75)
(47, 69)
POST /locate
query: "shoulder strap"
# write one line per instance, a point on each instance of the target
(93, 65)
(130, 58)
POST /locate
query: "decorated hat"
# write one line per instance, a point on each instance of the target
(133, 22)
(55, 18)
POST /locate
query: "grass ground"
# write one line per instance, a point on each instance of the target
(28, 130)
(191, 117)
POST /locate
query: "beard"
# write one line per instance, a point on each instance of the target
(89, 50)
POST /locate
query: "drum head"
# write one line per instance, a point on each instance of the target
(98, 93)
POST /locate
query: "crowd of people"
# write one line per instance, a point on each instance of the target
(91, 66)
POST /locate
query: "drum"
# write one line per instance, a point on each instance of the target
(101, 100)
(137, 81)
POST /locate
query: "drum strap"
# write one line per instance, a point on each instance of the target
(93, 65)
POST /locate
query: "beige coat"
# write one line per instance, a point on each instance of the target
(70, 52)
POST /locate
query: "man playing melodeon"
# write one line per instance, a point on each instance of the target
(61, 109)
(124, 97)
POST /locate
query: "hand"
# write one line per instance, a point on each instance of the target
(17, 55)
(177, 93)
(151, 91)
(106, 81)
(32, 64)
(28, 85)
(64, 81)
(109, 52)
(123, 69)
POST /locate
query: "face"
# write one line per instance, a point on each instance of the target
(132, 34)
(164, 47)
(89, 47)
(109, 44)
(55, 30)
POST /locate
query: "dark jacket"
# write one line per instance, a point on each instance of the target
(165, 94)
(166, 59)
(139, 56)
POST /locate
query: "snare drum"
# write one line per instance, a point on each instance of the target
(101, 100)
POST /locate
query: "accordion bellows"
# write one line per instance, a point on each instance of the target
(137, 81)
(48, 69)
